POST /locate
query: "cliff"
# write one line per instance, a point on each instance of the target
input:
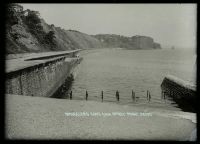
(134, 42)
(27, 32)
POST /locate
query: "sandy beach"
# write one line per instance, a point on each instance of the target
(47, 118)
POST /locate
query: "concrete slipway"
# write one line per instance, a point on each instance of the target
(45, 118)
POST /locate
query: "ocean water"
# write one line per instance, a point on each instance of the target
(109, 70)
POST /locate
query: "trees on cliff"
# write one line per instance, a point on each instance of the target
(49, 37)
(25, 30)
(13, 15)
(34, 23)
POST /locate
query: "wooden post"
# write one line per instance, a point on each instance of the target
(149, 97)
(102, 96)
(117, 95)
(70, 96)
(133, 95)
(86, 95)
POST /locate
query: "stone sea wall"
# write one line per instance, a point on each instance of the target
(181, 91)
(42, 79)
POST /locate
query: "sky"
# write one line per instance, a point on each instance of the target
(168, 24)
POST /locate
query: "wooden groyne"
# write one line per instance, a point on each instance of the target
(181, 91)
(41, 74)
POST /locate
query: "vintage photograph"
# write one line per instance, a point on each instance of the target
(101, 71)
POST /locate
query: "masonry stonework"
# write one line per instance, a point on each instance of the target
(182, 92)
(42, 79)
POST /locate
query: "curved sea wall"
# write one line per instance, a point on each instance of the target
(181, 91)
(39, 76)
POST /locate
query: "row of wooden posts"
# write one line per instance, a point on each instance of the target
(117, 95)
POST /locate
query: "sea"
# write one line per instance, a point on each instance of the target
(109, 70)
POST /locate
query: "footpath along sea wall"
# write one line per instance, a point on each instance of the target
(40, 75)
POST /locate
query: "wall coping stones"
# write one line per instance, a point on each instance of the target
(14, 65)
